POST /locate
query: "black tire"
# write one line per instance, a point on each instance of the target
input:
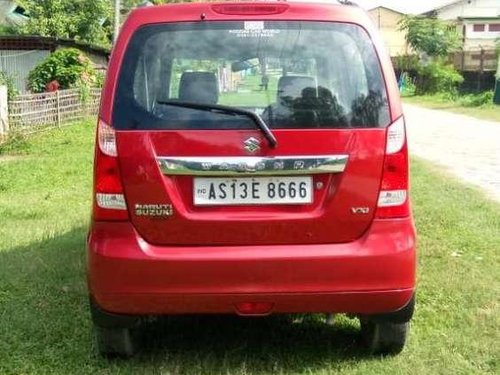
(117, 342)
(384, 338)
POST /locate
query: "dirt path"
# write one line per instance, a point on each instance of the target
(468, 147)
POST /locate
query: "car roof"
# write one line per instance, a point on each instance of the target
(305, 11)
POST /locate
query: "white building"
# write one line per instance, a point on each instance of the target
(477, 20)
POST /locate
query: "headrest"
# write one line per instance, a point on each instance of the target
(292, 86)
(199, 87)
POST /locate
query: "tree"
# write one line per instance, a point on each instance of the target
(433, 40)
(130, 4)
(430, 35)
(83, 20)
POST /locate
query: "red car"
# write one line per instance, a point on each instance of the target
(251, 159)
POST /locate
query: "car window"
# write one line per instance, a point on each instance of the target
(293, 74)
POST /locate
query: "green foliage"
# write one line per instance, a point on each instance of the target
(437, 76)
(451, 103)
(68, 66)
(430, 35)
(6, 80)
(8, 30)
(80, 20)
(436, 39)
(406, 63)
(15, 144)
(476, 100)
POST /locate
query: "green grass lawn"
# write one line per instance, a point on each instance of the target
(251, 94)
(44, 323)
(485, 112)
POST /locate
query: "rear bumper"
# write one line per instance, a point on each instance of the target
(375, 274)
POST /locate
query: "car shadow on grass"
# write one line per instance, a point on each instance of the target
(46, 323)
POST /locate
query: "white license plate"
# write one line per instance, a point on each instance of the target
(252, 190)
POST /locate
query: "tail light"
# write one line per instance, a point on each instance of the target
(393, 197)
(109, 200)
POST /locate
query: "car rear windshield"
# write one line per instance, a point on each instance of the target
(293, 74)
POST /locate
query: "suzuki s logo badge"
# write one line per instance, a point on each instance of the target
(252, 144)
(360, 210)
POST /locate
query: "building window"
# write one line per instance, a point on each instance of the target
(479, 28)
(494, 27)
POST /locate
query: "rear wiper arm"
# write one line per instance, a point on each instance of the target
(230, 110)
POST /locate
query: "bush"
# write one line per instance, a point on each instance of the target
(67, 67)
(406, 63)
(436, 77)
(477, 100)
(6, 80)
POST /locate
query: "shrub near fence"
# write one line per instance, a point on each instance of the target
(31, 113)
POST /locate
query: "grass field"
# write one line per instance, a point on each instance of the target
(485, 112)
(44, 323)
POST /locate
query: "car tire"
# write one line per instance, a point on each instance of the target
(384, 338)
(117, 342)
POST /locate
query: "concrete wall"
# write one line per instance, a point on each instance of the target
(387, 22)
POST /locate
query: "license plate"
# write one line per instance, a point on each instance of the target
(252, 191)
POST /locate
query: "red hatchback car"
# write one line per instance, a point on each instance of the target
(251, 158)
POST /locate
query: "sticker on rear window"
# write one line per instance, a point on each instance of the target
(254, 29)
(254, 25)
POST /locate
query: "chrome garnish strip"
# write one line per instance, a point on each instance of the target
(252, 165)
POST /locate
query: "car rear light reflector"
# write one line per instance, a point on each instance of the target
(254, 308)
(107, 139)
(250, 9)
(392, 198)
(396, 137)
(111, 201)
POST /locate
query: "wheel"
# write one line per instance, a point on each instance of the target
(115, 341)
(384, 337)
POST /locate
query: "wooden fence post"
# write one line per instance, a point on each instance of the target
(58, 106)
(4, 113)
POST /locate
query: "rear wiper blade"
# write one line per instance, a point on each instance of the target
(273, 142)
